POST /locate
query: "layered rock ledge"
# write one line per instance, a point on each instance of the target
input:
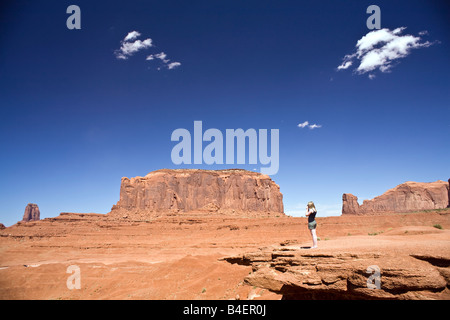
(231, 192)
(346, 271)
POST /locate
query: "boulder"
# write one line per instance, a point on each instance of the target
(231, 192)
(406, 197)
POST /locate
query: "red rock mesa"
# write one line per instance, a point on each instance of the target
(231, 192)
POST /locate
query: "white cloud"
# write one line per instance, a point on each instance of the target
(373, 38)
(310, 126)
(379, 48)
(162, 56)
(345, 65)
(302, 125)
(130, 45)
(129, 48)
(165, 61)
(173, 65)
(132, 35)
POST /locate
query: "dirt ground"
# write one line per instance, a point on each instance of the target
(179, 257)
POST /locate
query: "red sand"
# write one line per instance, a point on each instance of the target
(178, 257)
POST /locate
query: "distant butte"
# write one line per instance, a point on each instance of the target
(406, 197)
(32, 213)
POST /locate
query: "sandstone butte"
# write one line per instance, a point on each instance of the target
(32, 213)
(179, 191)
(406, 197)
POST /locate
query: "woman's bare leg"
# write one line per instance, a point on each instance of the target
(314, 238)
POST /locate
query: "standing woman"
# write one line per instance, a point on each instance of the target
(312, 224)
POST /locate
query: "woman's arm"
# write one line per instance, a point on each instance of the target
(308, 212)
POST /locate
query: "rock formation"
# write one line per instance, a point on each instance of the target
(350, 204)
(449, 193)
(336, 274)
(231, 192)
(406, 197)
(2, 226)
(31, 212)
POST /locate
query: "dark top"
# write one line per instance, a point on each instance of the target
(312, 216)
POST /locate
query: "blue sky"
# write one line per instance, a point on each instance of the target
(75, 118)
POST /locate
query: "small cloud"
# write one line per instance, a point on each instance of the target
(310, 126)
(345, 65)
(166, 62)
(162, 56)
(173, 65)
(129, 48)
(130, 45)
(131, 36)
(302, 125)
(378, 49)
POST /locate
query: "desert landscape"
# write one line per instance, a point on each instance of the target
(222, 235)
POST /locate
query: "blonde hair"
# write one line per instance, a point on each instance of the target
(312, 206)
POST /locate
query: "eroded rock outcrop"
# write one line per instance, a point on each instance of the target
(303, 274)
(232, 192)
(406, 197)
(32, 213)
(350, 204)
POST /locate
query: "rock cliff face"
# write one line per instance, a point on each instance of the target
(409, 196)
(448, 193)
(233, 192)
(32, 212)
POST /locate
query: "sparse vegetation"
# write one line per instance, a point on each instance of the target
(375, 233)
(443, 210)
(203, 290)
(437, 226)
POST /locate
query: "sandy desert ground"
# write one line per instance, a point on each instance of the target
(180, 257)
